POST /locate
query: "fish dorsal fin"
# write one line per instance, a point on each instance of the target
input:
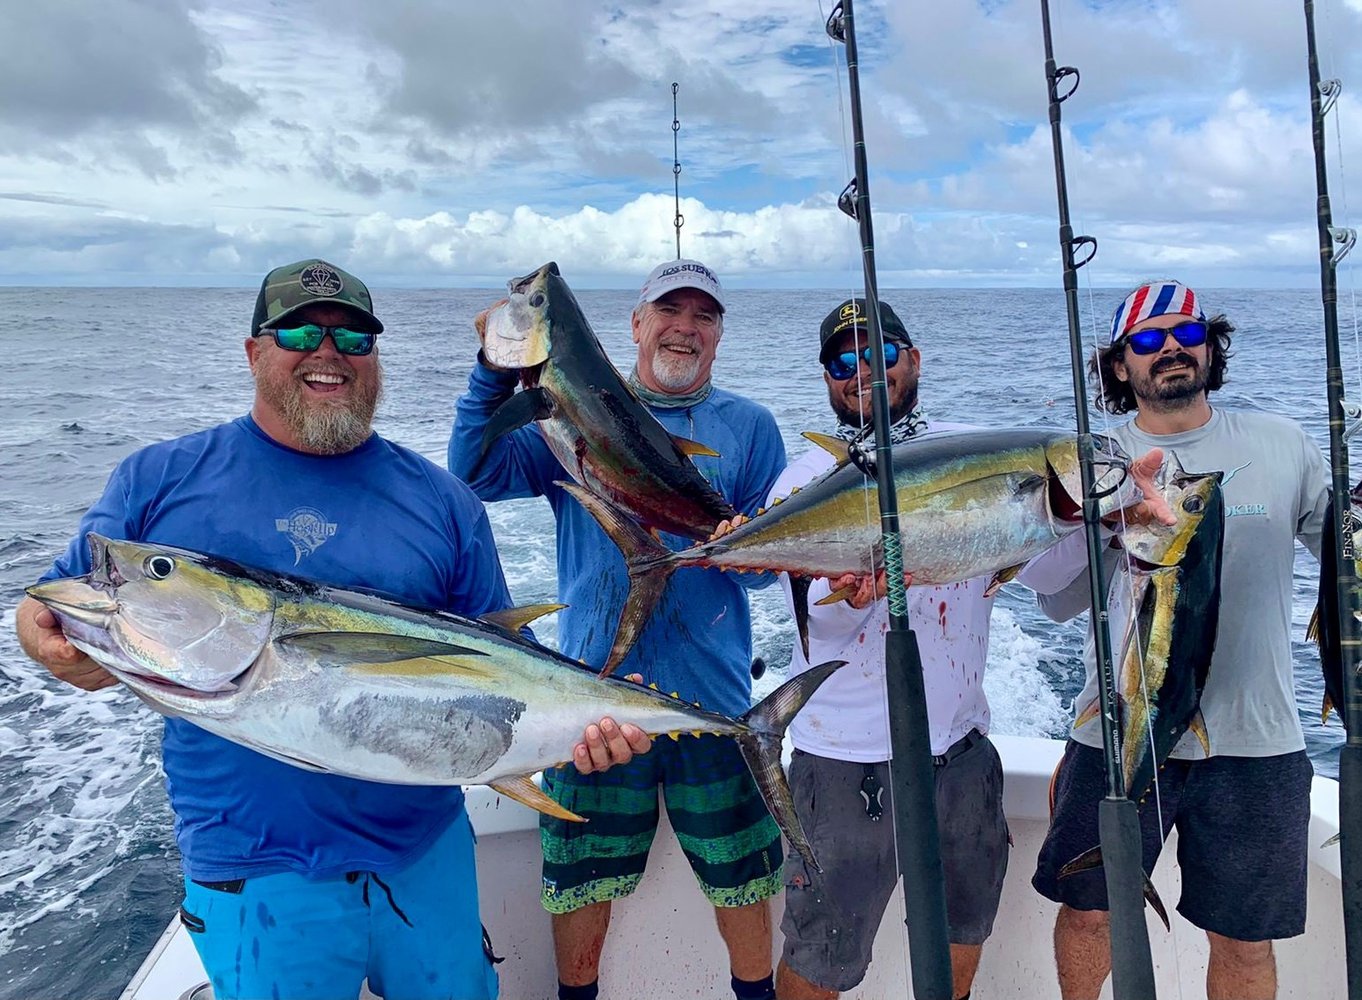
(693, 448)
(834, 446)
(385, 653)
(522, 788)
(514, 619)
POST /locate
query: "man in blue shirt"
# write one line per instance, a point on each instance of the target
(302, 884)
(697, 643)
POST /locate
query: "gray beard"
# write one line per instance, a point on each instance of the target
(327, 430)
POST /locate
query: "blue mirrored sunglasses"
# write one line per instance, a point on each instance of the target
(309, 337)
(842, 366)
(1152, 340)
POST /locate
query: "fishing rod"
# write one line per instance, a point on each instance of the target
(1323, 96)
(911, 772)
(678, 220)
(1118, 820)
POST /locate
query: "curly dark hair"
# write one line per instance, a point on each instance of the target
(1116, 396)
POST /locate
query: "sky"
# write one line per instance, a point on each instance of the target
(445, 143)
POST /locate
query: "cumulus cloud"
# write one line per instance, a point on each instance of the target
(431, 143)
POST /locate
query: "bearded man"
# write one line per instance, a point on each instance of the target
(1241, 802)
(698, 643)
(298, 883)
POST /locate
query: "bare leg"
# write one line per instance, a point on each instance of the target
(578, 938)
(1082, 952)
(1240, 970)
(790, 985)
(746, 931)
(964, 964)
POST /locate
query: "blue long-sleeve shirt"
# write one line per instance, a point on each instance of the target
(698, 641)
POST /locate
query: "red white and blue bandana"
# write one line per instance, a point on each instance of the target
(1157, 298)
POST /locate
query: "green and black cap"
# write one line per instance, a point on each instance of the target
(851, 313)
(287, 289)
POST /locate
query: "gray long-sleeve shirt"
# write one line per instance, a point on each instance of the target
(1276, 491)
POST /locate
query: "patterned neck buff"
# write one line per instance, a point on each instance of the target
(909, 425)
(668, 400)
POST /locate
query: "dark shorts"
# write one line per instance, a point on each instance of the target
(1242, 826)
(831, 919)
(731, 841)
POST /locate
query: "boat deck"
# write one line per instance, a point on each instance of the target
(663, 941)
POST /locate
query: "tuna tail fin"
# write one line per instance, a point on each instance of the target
(646, 558)
(1091, 859)
(524, 407)
(760, 744)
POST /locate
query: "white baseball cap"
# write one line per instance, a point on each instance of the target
(674, 274)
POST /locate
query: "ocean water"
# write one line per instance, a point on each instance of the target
(88, 866)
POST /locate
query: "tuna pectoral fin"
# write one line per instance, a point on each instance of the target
(648, 570)
(693, 448)
(523, 789)
(521, 409)
(1089, 860)
(383, 653)
(765, 724)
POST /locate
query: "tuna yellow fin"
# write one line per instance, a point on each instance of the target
(692, 448)
(1198, 728)
(834, 446)
(1312, 629)
(522, 788)
(846, 593)
(1006, 575)
(514, 619)
(1087, 715)
(1326, 708)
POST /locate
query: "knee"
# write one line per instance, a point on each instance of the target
(1242, 954)
(1084, 922)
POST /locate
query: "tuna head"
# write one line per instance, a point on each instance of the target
(518, 330)
(1112, 484)
(1191, 497)
(159, 614)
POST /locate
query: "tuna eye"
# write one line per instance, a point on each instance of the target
(159, 567)
(1194, 505)
(536, 300)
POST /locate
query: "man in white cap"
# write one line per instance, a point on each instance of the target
(1243, 810)
(697, 643)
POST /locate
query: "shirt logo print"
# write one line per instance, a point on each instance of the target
(307, 528)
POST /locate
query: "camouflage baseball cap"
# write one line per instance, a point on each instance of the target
(287, 289)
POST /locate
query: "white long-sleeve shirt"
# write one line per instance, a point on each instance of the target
(847, 718)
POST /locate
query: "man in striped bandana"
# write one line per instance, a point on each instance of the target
(1241, 810)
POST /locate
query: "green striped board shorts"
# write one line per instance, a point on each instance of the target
(720, 820)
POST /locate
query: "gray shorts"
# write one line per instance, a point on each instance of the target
(831, 918)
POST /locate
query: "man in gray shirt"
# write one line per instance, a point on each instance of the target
(1242, 812)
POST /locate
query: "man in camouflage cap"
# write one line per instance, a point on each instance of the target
(322, 880)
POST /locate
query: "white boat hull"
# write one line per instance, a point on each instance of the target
(663, 941)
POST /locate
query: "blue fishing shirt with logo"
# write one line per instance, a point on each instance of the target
(698, 640)
(378, 518)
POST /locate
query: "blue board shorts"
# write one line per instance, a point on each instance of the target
(1242, 827)
(831, 918)
(415, 934)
